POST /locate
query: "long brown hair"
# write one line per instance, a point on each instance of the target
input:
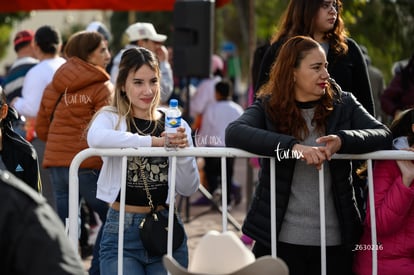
(299, 19)
(131, 60)
(279, 96)
(82, 44)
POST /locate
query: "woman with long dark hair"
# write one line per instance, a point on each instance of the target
(322, 20)
(302, 118)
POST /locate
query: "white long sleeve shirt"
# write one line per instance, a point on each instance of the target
(35, 82)
(216, 118)
(102, 134)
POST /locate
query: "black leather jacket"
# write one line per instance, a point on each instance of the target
(33, 239)
(255, 133)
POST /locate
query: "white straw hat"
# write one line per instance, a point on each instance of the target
(225, 254)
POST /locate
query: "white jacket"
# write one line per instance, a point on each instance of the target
(102, 134)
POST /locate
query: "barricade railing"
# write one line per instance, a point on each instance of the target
(223, 153)
(72, 222)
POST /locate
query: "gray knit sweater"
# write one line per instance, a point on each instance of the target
(301, 223)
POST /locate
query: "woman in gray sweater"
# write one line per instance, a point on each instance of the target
(302, 118)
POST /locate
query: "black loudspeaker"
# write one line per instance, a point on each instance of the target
(193, 38)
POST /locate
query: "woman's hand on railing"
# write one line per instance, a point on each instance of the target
(311, 154)
(314, 155)
(332, 145)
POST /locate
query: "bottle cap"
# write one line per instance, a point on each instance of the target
(173, 103)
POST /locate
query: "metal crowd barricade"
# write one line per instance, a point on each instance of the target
(223, 153)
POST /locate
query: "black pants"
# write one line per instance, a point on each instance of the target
(306, 260)
(212, 169)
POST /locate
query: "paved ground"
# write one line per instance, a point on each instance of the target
(201, 219)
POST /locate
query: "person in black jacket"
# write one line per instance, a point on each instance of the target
(302, 118)
(18, 155)
(321, 20)
(33, 239)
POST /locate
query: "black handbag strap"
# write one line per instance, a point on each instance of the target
(150, 203)
(141, 166)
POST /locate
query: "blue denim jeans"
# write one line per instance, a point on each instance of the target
(87, 189)
(136, 260)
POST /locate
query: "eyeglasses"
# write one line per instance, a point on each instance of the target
(328, 5)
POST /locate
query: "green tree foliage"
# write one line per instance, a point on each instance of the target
(268, 14)
(6, 27)
(386, 28)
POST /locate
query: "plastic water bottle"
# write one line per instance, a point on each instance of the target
(172, 122)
